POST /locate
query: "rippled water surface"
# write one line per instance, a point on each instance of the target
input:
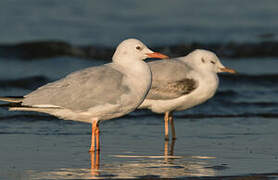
(234, 134)
(156, 22)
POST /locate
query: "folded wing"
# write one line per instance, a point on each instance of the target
(81, 90)
(171, 79)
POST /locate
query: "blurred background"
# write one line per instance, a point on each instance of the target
(42, 41)
(155, 22)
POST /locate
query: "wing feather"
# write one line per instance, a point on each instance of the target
(171, 79)
(81, 90)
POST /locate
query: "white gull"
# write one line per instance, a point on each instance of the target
(96, 93)
(182, 83)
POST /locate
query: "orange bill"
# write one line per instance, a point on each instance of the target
(157, 55)
(229, 70)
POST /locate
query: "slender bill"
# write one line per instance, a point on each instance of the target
(157, 55)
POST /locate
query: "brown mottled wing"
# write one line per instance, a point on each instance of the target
(171, 79)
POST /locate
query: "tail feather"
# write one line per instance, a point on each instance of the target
(10, 105)
(12, 99)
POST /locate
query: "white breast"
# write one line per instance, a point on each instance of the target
(138, 78)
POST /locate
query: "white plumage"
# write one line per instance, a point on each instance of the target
(182, 83)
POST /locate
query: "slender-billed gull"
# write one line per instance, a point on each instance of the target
(182, 83)
(96, 93)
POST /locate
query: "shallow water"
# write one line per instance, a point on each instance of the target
(233, 135)
(134, 147)
(156, 22)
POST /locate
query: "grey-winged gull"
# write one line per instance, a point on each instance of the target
(96, 93)
(182, 83)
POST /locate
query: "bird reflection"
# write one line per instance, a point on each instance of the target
(168, 152)
(94, 156)
(167, 165)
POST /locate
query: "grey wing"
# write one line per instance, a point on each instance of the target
(170, 79)
(81, 90)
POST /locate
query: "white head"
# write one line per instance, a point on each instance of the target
(208, 61)
(134, 49)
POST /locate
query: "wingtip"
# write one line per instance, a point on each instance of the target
(12, 99)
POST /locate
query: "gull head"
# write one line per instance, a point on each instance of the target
(208, 61)
(133, 49)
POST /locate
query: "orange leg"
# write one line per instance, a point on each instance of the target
(166, 120)
(94, 163)
(92, 149)
(172, 147)
(166, 152)
(172, 126)
(95, 136)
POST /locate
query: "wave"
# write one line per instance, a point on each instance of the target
(266, 79)
(257, 104)
(53, 48)
(34, 82)
(28, 117)
(29, 83)
(204, 116)
(38, 117)
(243, 115)
(227, 93)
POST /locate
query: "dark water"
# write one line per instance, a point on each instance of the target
(156, 22)
(231, 136)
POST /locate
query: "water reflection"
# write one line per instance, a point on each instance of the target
(134, 166)
(167, 151)
(95, 163)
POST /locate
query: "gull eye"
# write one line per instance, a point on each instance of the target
(138, 48)
(203, 60)
(212, 62)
